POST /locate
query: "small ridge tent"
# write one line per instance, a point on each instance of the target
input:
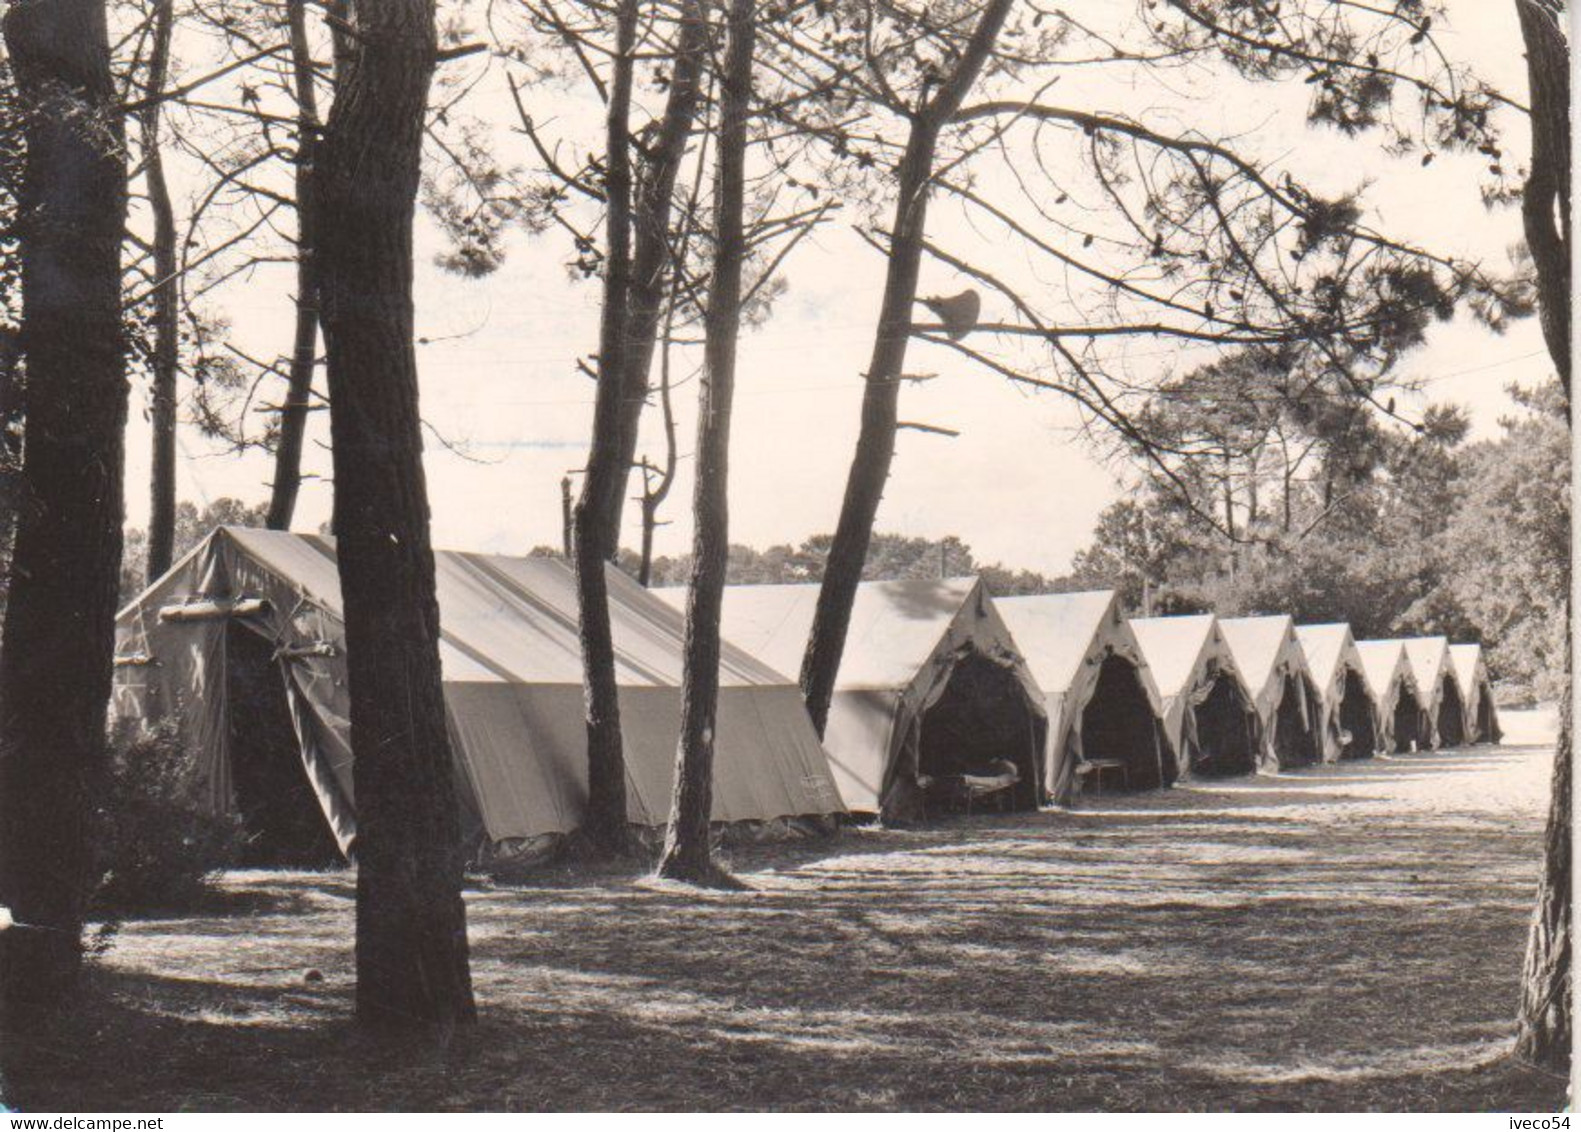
(1350, 717)
(242, 645)
(1442, 700)
(1274, 668)
(1208, 713)
(1402, 723)
(931, 691)
(1482, 715)
(1105, 715)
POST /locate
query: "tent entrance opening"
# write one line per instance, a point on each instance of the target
(979, 744)
(1407, 721)
(1355, 717)
(1225, 743)
(280, 813)
(1295, 737)
(1118, 727)
(1451, 716)
(1484, 717)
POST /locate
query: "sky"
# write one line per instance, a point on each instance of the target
(1019, 484)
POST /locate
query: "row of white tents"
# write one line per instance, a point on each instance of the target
(947, 696)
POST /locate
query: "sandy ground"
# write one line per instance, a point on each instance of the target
(1340, 937)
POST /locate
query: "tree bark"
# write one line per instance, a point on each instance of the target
(1544, 1034)
(604, 823)
(55, 668)
(412, 966)
(875, 445)
(166, 300)
(651, 233)
(654, 495)
(1545, 202)
(566, 512)
(304, 347)
(10, 450)
(1545, 1025)
(687, 855)
(11, 369)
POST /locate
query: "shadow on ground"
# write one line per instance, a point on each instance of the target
(1344, 937)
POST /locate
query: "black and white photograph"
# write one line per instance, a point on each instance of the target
(582, 556)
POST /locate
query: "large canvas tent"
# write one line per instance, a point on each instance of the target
(931, 689)
(1105, 715)
(242, 645)
(1402, 721)
(1275, 670)
(1345, 703)
(1209, 718)
(1482, 714)
(1442, 700)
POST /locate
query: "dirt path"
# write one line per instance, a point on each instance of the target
(1343, 937)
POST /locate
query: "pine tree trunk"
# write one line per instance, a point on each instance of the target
(1544, 1034)
(11, 169)
(567, 508)
(650, 523)
(653, 497)
(10, 451)
(304, 347)
(595, 539)
(1545, 201)
(655, 494)
(55, 667)
(687, 855)
(652, 237)
(412, 967)
(166, 297)
(875, 445)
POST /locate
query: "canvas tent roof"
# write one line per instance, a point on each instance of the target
(512, 681)
(1183, 654)
(1173, 647)
(1065, 639)
(1386, 667)
(1267, 652)
(1331, 652)
(1429, 661)
(1388, 672)
(1056, 631)
(1470, 669)
(1427, 657)
(895, 626)
(904, 638)
(1472, 672)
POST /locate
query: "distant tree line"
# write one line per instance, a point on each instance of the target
(890, 557)
(1438, 536)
